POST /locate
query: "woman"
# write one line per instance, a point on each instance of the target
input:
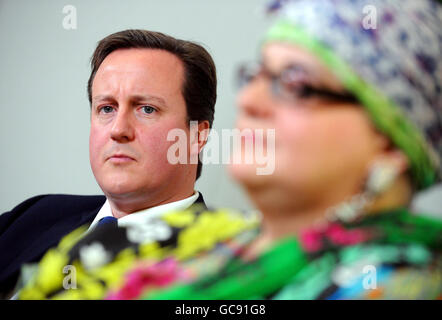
(357, 114)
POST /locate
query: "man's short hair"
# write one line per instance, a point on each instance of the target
(199, 85)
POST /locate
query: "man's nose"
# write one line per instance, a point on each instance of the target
(255, 100)
(122, 128)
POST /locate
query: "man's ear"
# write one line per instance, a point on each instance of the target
(203, 134)
(199, 135)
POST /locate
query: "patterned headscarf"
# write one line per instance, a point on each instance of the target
(389, 55)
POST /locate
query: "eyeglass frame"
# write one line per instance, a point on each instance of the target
(305, 90)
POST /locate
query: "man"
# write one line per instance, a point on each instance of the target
(142, 85)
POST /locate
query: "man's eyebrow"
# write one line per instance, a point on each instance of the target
(137, 97)
(148, 97)
(102, 97)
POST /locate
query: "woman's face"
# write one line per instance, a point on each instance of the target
(323, 146)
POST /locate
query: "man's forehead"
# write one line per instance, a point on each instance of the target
(141, 64)
(133, 56)
(145, 73)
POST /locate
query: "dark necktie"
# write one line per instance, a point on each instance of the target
(108, 222)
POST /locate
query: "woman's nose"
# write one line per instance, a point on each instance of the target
(254, 100)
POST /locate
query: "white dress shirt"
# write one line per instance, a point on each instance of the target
(142, 216)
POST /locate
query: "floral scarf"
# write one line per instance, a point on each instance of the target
(197, 254)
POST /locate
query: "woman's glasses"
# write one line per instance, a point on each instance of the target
(291, 84)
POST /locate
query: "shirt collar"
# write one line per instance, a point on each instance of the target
(143, 215)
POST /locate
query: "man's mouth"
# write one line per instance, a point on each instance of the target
(120, 158)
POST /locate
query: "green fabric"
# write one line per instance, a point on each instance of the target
(242, 280)
(287, 272)
(387, 116)
(427, 231)
(310, 281)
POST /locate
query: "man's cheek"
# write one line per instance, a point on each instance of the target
(96, 143)
(155, 147)
(158, 137)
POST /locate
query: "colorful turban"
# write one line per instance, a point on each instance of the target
(389, 55)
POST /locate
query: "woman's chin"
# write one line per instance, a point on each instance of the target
(247, 174)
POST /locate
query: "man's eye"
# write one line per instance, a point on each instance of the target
(106, 109)
(148, 109)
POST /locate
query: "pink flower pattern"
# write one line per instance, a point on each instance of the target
(148, 276)
(312, 240)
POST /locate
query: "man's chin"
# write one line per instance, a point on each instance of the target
(120, 190)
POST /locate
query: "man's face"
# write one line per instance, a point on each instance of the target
(136, 101)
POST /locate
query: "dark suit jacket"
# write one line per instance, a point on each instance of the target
(39, 223)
